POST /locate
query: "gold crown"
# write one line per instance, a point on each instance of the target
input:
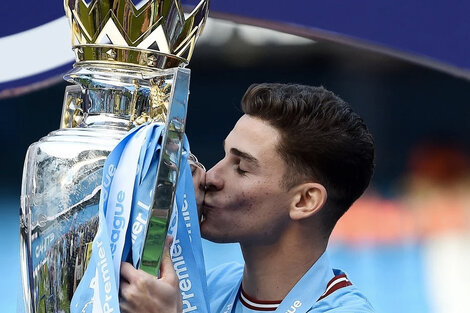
(157, 35)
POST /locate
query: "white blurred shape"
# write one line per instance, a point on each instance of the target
(219, 32)
(262, 36)
(447, 260)
(36, 50)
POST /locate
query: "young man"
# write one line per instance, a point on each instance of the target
(294, 163)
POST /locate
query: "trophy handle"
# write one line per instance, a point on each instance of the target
(168, 171)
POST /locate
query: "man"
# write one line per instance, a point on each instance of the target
(293, 165)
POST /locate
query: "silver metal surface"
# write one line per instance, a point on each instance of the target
(136, 77)
(167, 175)
(63, 174)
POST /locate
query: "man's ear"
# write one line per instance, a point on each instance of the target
(308, 199)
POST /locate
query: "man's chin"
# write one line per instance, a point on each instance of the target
(214, 237)
(219, 240)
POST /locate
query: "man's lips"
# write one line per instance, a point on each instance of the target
(205, 210)
(202, 212)
(207, 204)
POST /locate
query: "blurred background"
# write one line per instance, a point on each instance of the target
(405, 243)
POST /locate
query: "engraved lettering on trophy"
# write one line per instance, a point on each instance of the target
(44, 245)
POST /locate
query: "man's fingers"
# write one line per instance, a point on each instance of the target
(124, 289)
(167, 271)
(127, 271)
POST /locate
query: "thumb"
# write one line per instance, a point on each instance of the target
(167, 272)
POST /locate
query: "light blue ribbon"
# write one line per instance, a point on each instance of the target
(123, 211)
(186, 250)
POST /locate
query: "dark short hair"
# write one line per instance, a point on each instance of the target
(322, 139)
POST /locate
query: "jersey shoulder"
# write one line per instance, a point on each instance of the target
(347, 299)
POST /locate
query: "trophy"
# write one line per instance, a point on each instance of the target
(129, 70)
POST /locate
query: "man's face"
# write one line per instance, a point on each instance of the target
(245, 201)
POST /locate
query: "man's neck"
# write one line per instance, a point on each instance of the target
(272, 270)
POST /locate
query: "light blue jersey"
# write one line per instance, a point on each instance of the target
(327, 289)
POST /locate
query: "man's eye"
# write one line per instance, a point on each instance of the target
(240, 171)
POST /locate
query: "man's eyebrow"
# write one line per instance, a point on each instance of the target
(248, 157)
(244, 155)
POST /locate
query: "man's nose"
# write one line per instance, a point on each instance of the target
(214, 181)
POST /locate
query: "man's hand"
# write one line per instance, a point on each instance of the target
(143, 293)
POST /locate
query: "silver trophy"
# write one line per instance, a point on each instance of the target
(129, 70)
